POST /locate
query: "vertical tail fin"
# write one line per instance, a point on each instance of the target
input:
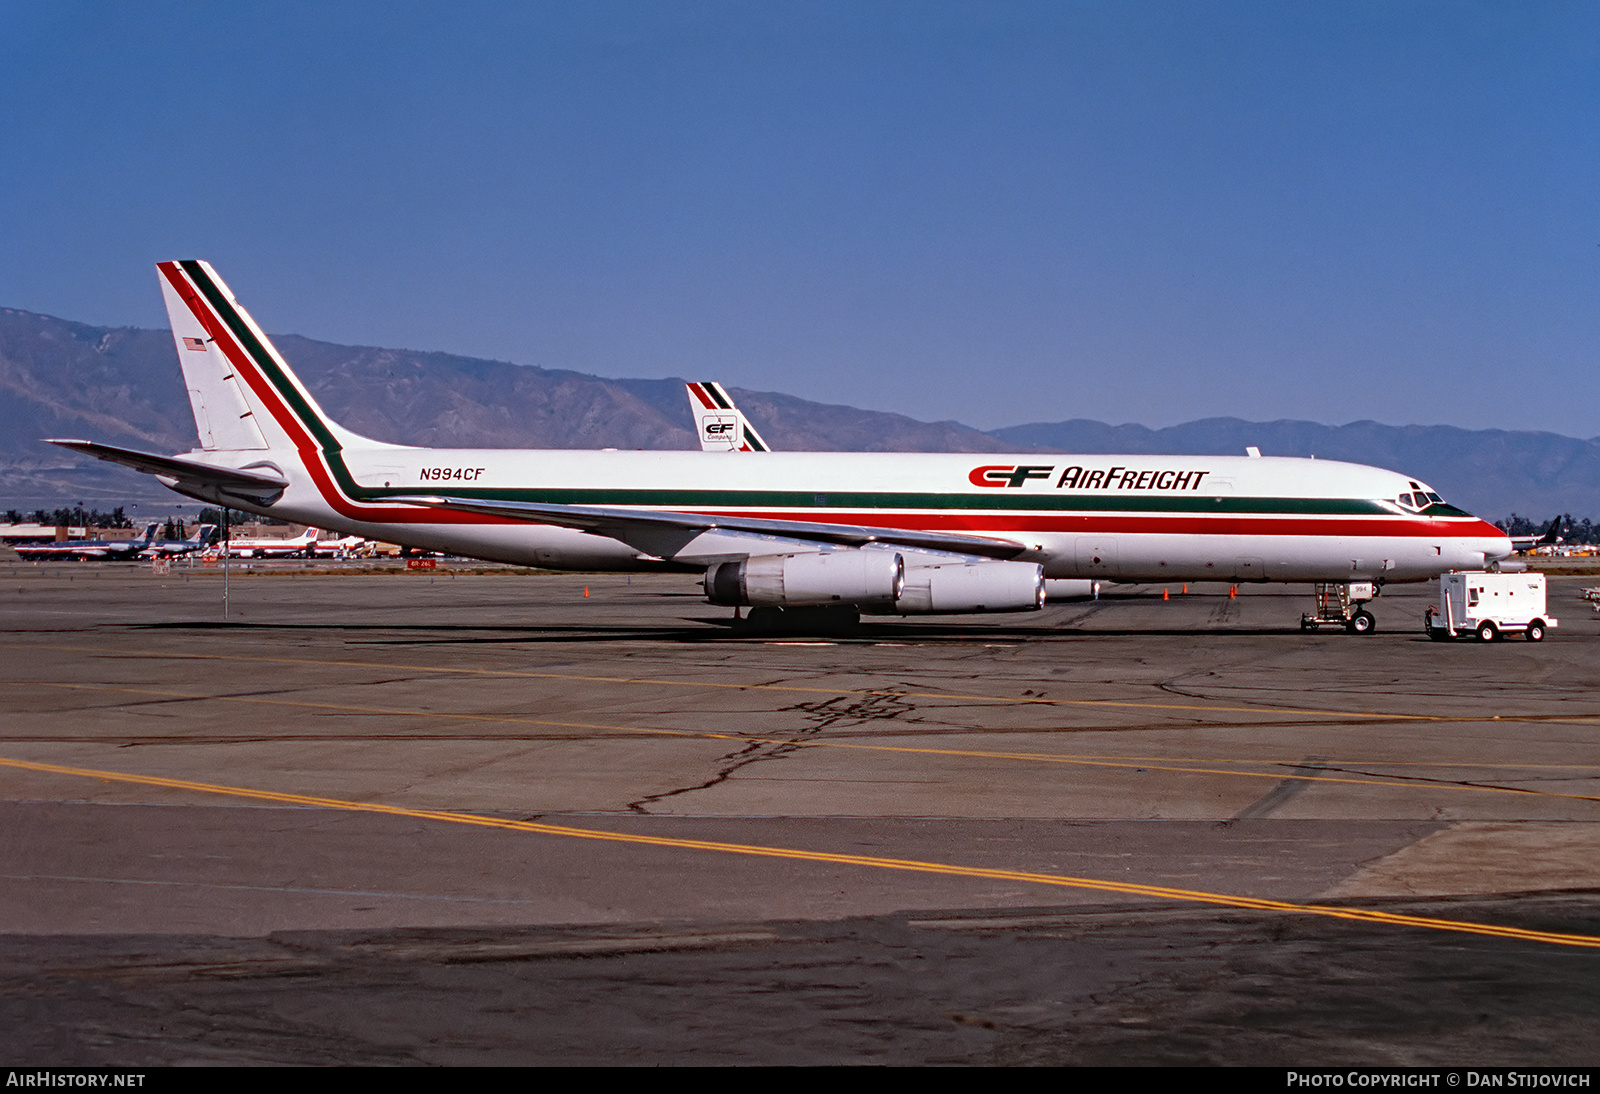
(223, 414)
(244, 394)
(721, 425)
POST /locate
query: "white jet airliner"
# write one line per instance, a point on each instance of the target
(302, 546)
(878, 532)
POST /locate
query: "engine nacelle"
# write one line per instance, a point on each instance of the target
(973, 587)
(849, 576)
(1071, 588)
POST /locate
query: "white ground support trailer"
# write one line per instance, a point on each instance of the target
(1488, 605)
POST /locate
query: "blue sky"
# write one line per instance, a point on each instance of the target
(993, 212)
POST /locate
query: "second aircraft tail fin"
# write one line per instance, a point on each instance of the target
(721, 425)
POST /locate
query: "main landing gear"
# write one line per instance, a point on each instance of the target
(822, 621)
(1342, 604)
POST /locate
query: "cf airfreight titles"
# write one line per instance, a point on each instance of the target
(1079, 478)
(874, 531)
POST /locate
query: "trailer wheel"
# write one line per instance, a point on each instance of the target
(1487, 631)
(1536, 631)
(1362, 622)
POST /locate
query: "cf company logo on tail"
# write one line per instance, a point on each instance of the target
(1081, 478)
(720, 427)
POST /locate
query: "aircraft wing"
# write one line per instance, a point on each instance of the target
(191, 472)
(655, 532)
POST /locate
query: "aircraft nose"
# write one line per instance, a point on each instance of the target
(1496, 549)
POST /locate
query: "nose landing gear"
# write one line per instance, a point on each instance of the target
(1341, 604)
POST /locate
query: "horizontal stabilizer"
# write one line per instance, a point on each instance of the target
(637, 527)
(253, 484)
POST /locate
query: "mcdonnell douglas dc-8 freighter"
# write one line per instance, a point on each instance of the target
(876, 532)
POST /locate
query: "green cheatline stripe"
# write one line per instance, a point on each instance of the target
(1200, 505)
(1018, 501)
(716, 395)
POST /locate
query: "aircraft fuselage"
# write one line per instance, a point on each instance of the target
(880, 531)
(1123, 518)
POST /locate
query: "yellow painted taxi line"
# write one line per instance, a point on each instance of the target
(1364, 915)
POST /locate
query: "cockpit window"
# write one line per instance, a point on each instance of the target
(1419, 500)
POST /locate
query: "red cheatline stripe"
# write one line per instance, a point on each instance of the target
(705, 400)
(1128, 524)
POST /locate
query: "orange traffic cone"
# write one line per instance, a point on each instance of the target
(1164, 595)
(1185, 588)
(1233, 591)
(586, 590)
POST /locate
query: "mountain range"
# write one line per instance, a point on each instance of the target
(122, 386)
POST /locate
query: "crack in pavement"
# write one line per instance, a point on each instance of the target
(823, 715)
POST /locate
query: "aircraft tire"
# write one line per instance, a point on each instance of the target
(1363, 622)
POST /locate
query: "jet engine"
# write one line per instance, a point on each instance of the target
(973, 587)
(850, 576)
(1071, 588)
